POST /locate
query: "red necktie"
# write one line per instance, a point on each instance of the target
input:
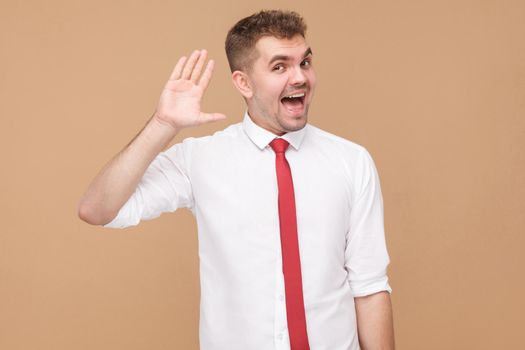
(290, 250)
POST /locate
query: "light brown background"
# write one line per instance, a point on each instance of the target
(435, 90)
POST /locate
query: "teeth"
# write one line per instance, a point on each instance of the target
(296, 95)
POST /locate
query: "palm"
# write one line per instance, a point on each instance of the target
(180, 101)
(182, 98)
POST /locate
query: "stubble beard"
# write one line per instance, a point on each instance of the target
(278, 121)
(293, 126)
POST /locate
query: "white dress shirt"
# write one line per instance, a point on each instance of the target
(229, 183)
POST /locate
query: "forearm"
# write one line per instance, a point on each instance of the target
(118, 179)
(375, 322)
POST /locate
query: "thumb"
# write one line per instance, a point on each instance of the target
(211, 117)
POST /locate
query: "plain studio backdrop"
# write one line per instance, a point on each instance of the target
(435, 90)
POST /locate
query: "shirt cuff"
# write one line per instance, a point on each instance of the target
(368, 287)
(124, 217)
(117, 222)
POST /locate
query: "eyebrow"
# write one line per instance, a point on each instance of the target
(287, 58)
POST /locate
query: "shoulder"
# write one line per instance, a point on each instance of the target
(353, 158)
(347, 149)
(191, 147)
(231, 132)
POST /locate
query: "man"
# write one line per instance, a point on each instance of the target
(283, 264)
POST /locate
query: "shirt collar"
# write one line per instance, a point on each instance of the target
(262, 137)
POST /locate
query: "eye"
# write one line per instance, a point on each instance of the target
(278, 68)
(307, 62)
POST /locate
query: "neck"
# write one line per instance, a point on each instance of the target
(260, 121)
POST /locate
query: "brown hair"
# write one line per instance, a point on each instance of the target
(243, 36)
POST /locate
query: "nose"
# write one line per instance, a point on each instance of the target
(297, 76)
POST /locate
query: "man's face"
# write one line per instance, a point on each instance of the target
(282, 83)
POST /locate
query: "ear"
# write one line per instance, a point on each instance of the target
(242, 83)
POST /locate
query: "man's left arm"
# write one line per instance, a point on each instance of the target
(375, 325)
(366, 259)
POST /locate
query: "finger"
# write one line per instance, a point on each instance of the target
(186, 73)
(198, 67)
(211, 117)
(206, 76)
(178, 68)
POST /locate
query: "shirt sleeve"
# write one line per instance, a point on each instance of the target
(164, 187)
(366, 255)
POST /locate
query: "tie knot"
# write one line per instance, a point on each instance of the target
(279, 145)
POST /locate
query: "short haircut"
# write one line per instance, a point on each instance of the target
(243, 36)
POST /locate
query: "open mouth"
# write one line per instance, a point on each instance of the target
(294, 103)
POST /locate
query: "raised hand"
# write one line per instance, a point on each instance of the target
(180, 101)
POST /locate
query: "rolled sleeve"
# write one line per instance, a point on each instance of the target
(366, 255)
(164, 187)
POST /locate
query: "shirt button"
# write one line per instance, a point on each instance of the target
(281, 297)
(280, 336)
